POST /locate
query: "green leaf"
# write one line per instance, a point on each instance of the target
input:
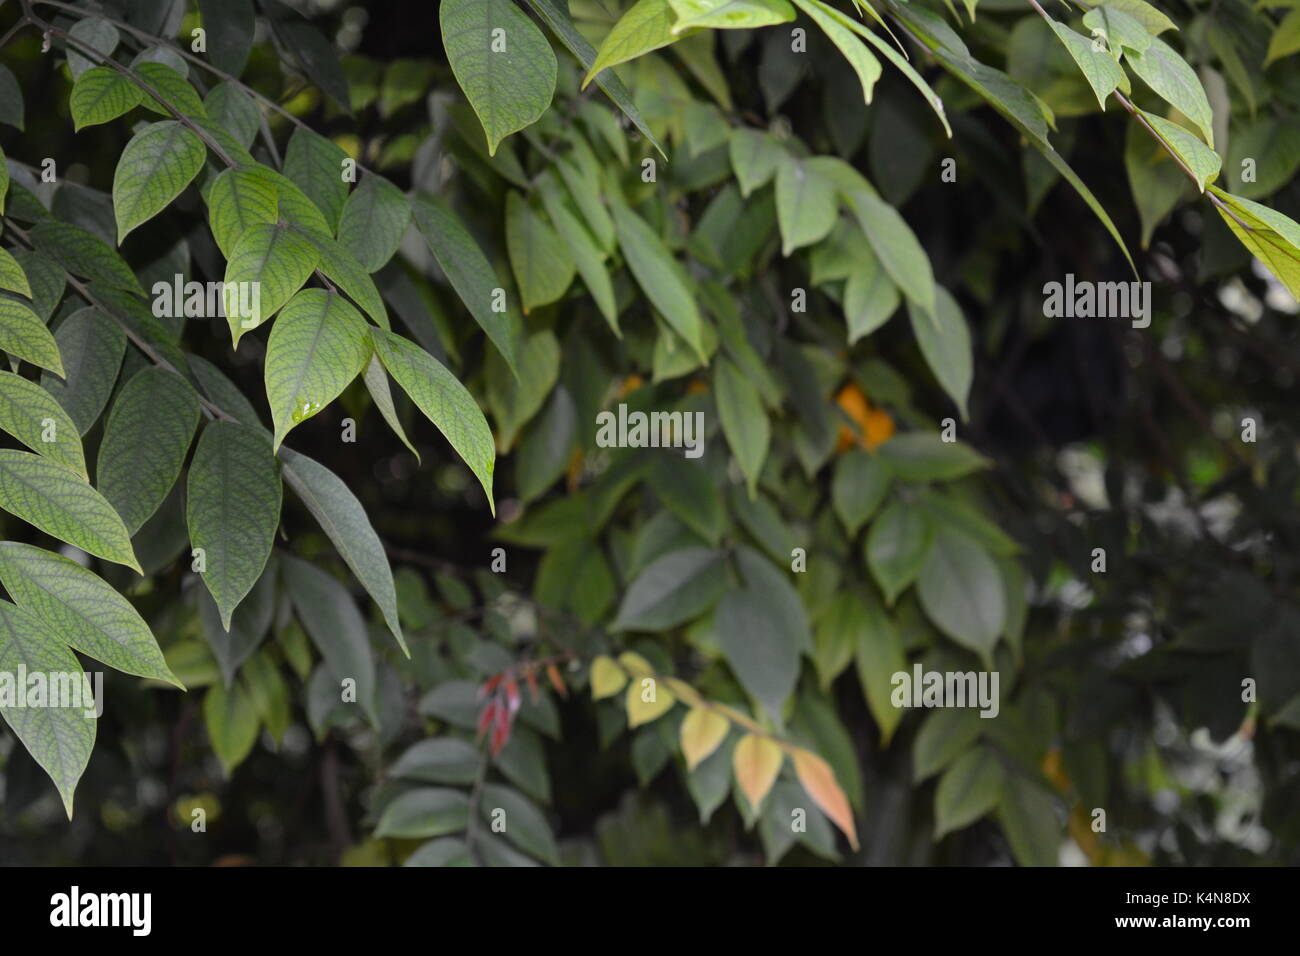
(1120, 29)
(230, 25)
(168, 86)
(543, 265)
(424, 812)
(60, 738)
(342, 517)
(1271, 237)
(157, 164)
(278, 260)
(755, 156)
(1168, 74)
(233, 508)
(673, 589)
(377, 385)
(897, 248)
(525, 826)
(239, 199)
(12, 276)
(438, 760)
(93, 32)
(1199, 158)
(889, 53)
(730, 14)
(231, 719)
(444, 401)
(859, 487)
(84, 254)
(514, 401)
(58, 501)
(1022, 110)
(897, 546)
(317, 347)
(556, 15)
(315, 54)
(646, 26)
(102, 94)
(1027, 814)
(315, 165)
(945, 342)
(84, 611)
(661, 277)
(1286, 38)
(968, 789)
(342, 268)
(1157, 184)
(1144, 13)
(1275, 150)
(374, 219)
(31, 414)
(249, 625)
(744, 420)
(336, 627)
(866, 66)
(233, 110)
(501, 60)
(1099, 68)
(762, 629)
(838, 626)
(806, 206)
(587, 255)
(24, 336)
(146, 438)
(469, 272)
(690, 493)
(925, 456)
(870, 296)
(92, 346)
(879, 655)
(946, 734)
(11, 99)
(961, 591)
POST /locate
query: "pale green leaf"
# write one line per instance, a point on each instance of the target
(157, 164)
(501, 60)
(60, 738)
(316, 348)
(58, 501)
(31, 414)
(278, 260)
(84, 611)
(24, 336)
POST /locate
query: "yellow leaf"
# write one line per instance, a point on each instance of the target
(757, 761)
(702, 731)
(684, 691)
(819, 780)
(607, 678)
(635, 664)
(647, 701)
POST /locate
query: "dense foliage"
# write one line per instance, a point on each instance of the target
(330, 329)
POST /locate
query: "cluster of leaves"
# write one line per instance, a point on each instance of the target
(674, 245)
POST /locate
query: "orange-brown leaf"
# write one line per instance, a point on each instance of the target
(818, 779)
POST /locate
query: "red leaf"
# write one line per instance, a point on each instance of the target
(485, 718)
(557, 681)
